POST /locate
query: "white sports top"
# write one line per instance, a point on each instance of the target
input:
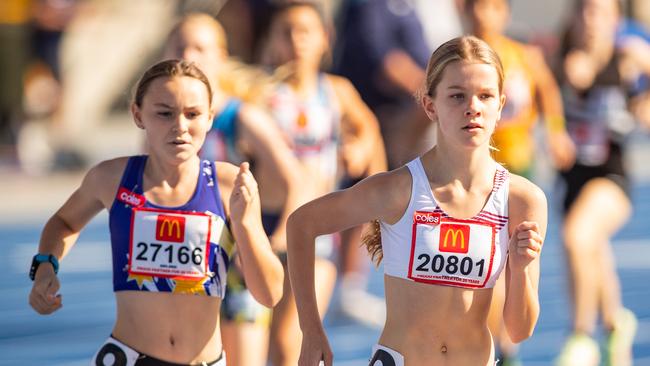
(427, 245)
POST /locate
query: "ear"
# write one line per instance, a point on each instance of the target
(502, 102)
(137, 116)
(429, 107)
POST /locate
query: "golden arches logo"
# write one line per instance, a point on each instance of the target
(170, 228)
(454, 238)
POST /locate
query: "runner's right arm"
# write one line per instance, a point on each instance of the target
(97, 191)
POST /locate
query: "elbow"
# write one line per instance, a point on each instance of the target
(293, 222)
(272, 298)
(520, 335)
(272, 294)
(276, 291)
(521, 330)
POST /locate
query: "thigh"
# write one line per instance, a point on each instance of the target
(601, 205)
(246, 344)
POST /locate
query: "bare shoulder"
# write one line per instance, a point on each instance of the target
(226, 174)
(338, 80)
(103, 179)
(525, 196)
(342, 86)
(389, 192)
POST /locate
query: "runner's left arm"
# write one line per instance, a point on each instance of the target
(528, 217)
(261, 268)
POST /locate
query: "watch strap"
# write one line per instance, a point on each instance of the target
(43, 258)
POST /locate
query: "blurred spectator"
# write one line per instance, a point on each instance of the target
(441, 20)
(102, 49)
(330, 130)
(600, 71)
(382, 50)
(640, 11)
(15, 33)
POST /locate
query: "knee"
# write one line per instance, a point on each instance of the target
(580, 237)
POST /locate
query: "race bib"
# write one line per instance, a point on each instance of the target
(170, 244)
(452, 252)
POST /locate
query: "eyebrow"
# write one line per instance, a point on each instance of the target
(163, 105)
(463, 88)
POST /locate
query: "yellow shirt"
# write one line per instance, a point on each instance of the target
(15, 12)
(513, 136)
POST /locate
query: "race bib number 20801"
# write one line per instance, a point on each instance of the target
(169, 244)
(449, 251)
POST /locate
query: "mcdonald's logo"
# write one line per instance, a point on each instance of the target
(454, 238)
(170, 228)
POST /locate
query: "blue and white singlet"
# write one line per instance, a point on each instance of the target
(184, 249)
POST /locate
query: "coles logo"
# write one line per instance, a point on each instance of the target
(423, 217)
(130, 198)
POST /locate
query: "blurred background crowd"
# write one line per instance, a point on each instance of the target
(67, 68)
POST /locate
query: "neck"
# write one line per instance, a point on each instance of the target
(164, 173)
(303, 79)
(466, 166)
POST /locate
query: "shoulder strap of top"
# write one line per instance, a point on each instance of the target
(327, 93)
(417, 171)
(132, 177)
(215, 181)
(501, 178)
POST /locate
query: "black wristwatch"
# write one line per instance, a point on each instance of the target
(41, 258)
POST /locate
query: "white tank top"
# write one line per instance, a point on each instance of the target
(312, 125)
(427, 245)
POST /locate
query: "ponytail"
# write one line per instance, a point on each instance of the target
(371, 239)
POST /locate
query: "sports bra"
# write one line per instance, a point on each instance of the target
(311, 125)
(427, 245)
(184, 249)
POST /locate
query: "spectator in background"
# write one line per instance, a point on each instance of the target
(381, 48)
(116, 36)
(43, 83)
(441, 20)
(15, 33)
(599, 73)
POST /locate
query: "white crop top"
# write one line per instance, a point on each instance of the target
(427, 245)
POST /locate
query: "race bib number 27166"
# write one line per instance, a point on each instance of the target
(169, 244)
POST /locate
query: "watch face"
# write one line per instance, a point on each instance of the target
(34, 266)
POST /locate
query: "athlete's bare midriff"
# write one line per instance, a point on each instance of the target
(437, 325)
(172, 327)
